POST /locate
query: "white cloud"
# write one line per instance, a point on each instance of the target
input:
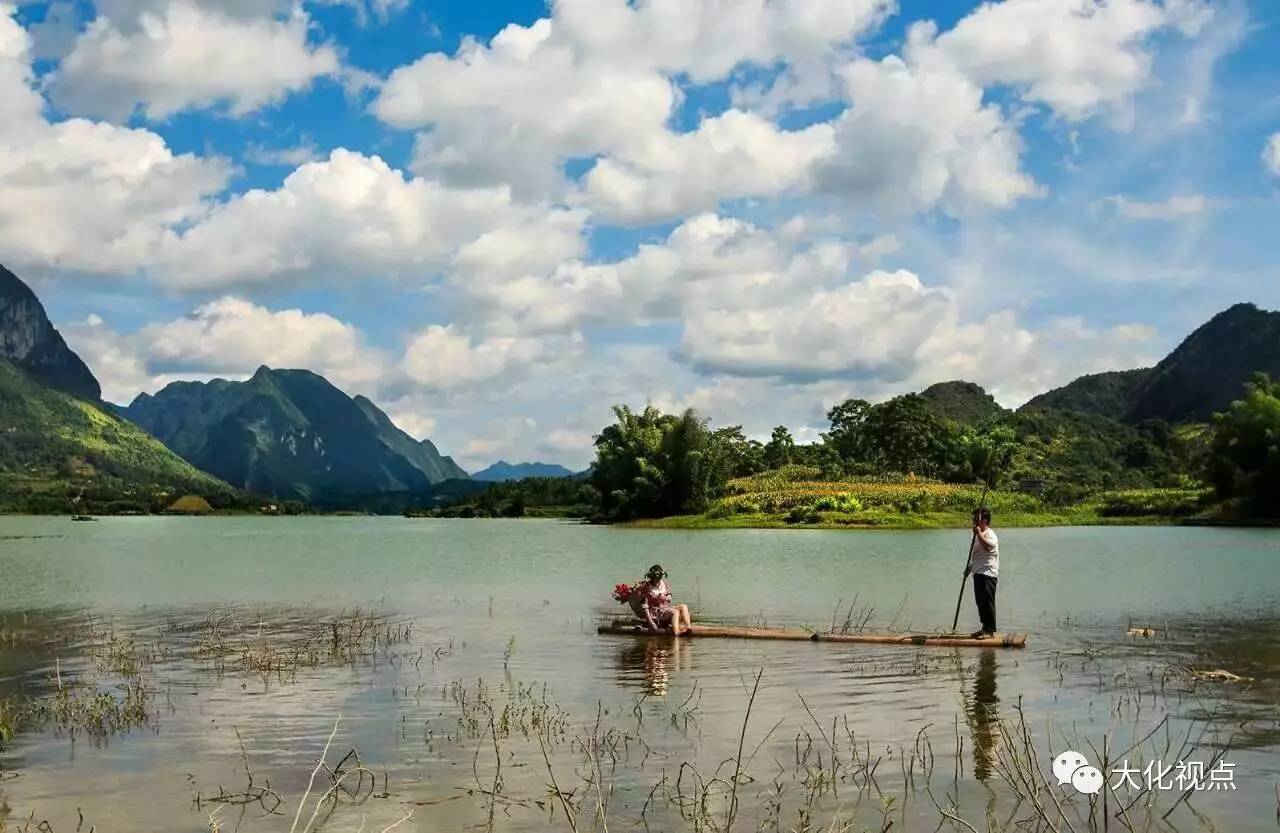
(568, 441)
(448, 358)
(1176, 207)
(917, 135)
(229, 337)
(186, 55)
(1077, 56)
(707, 261)
(593, 78)
(706, 38)
(736, 154)
(507, 112)
(350, 215)
(19, 100)
(870, 328)
(1271, 154)
(889, 332)
(82, 195)
(413, 423)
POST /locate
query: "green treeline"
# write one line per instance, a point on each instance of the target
(651, 464)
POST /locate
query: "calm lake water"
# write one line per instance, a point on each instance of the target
(229, 629)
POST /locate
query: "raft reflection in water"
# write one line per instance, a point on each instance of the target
(652, 662)
(981, 709)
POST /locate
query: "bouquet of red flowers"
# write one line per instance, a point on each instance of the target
(622, 593)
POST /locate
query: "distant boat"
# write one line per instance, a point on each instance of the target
(83, 518)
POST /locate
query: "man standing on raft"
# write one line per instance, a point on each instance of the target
(984, 564)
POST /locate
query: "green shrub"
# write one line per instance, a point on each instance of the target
(840, 502)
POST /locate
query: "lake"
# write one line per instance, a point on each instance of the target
(190, 672)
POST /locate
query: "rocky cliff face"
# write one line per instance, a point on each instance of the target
(30, 342)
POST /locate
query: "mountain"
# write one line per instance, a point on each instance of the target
(1209, 369)
(31, 343)
(1105, 394)
(502, 471)
(962, 402)
(291, 434)
(423, 453)
(60, 453)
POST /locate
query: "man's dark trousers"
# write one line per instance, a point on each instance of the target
(984, 593)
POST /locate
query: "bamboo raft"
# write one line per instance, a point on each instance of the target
(943, 640)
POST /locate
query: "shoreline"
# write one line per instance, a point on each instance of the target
(925, 522)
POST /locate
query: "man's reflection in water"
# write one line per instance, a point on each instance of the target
(981, 708)
(656, 659)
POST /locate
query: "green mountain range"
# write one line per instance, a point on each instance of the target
(60, 453)
(292, 435)
(1107, 394)
(1209, 369)
(1199, 378)
(503, 471)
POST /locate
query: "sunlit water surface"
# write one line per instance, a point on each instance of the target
(479, 614)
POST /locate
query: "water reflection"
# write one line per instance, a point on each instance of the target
(652, 662)
(981, 707)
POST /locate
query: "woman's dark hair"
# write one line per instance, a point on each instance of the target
(656, 572)
(982, 516)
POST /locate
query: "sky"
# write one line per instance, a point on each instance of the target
(497, 220)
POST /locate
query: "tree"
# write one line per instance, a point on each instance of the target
(781, 448)
(1245, 458)
(902, 435)
(847, 420)
(651, 464)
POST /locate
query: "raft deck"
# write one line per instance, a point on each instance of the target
(999, 640)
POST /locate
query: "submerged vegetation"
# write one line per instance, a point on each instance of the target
(524, 760)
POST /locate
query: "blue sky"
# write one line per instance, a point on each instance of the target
(498, 219)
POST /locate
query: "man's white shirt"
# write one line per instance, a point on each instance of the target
(984, 562)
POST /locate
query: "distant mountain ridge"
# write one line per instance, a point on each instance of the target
(1203, 375)
(502, 471)
(1108, 394)
(29, 340)
(290, 434)
(1209, 369)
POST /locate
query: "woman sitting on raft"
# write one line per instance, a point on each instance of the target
(652, 602)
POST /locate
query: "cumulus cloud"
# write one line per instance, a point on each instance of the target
(83, 195)
(707, 261)
(447, 358)
(869, 328)
(1271, 154)
(1079, 57)
(228, 337)
(917, 134)
(185, 55)
(736, 154)
(889, 332)
(350, 215)
(593, 78)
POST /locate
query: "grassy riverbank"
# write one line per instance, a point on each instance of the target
(776, 501)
